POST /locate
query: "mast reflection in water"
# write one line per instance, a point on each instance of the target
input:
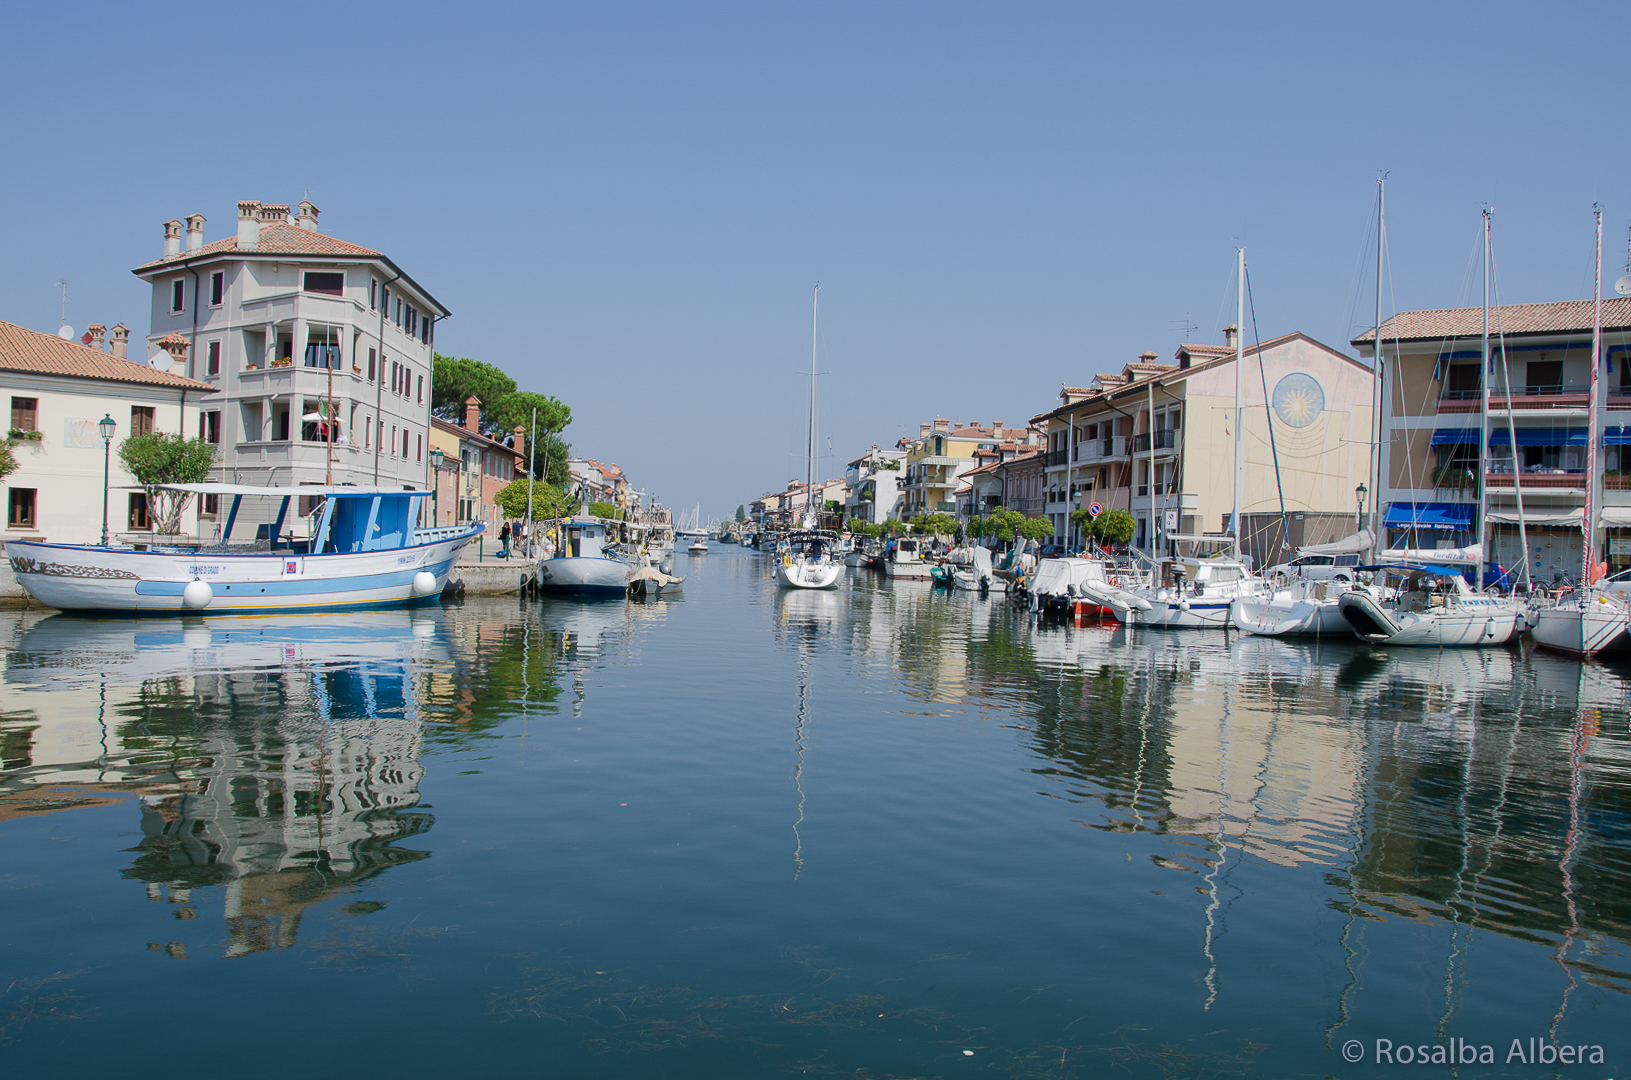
(750, 831)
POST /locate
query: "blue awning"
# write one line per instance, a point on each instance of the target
(1455, 436)
(1540, 437)
(1450, 517)
(1617, 436)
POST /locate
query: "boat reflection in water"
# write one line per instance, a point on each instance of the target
(276, 756)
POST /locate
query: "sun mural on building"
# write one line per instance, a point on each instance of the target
(1298, 399)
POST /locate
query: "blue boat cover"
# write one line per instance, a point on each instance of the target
(1451, 517)
(1414, 568)
(1455, 436)
(1539, 437)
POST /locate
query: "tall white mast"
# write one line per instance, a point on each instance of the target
(1240, 366)
(1486, 373)
(810, 518)
(1374, 466)
(1588, 521)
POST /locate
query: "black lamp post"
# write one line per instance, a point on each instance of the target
(436, 456)
(106, 427)
(1359, 493)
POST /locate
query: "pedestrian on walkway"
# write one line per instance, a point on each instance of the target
(504, 541)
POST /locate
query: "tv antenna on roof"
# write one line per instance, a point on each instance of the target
(65, 332)
(1185, 326)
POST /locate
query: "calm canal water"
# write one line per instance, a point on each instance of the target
(883, 832)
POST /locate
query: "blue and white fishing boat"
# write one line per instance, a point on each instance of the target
(364, 549)
(587, 563)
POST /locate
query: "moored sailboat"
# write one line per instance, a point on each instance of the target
(809, 559)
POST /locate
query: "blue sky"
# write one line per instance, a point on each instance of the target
(626, 205)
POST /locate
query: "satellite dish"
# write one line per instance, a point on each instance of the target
(1623, 286)
(65, 332)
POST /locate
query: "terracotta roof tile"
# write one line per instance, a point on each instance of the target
(1561, 317)
(277, 239)
(22, 349)
(1205, 350)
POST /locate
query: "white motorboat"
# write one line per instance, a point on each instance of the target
(586, 563)
(905, 561)
(698, 546)
(1080, 587)
(808, 561)
(364, 550)
(978, 577)
(1432, 606)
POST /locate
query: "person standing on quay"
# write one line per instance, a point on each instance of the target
(504, 541)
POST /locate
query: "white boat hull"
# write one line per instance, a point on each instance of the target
(76, 578)
(1596, 625)
(795, 573)
(1286, 616)
(1180, 615)
(583, 574)
(912, 569)
(966, 580)
(1473, 621)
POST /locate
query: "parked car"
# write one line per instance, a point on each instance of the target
(1052, 551)
(1497, 578)
(1315, 568)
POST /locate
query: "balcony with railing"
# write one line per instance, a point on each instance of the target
(1539, 479)
(1054, 458)
(1521, 398)
(1165, 439)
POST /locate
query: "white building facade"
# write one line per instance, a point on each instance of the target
(320, 350)
(58, 390)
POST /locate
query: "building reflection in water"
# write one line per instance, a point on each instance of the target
(1481, 789)
(277, 758)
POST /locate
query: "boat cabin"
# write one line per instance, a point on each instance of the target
(585, 540)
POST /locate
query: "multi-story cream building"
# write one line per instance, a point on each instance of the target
(294, 328)
(938, 458)
(1158, 440)
(1539, 389)
(872, 485)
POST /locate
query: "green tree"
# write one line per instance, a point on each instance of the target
(549, 501)
(741, 513)
(1036, 528)
(603, 509)
(8, 460)
(978, 526)
(1114, 526)
(161, 458)
(452, 379)
(1005, 524)
(894, 526)
(514, 410)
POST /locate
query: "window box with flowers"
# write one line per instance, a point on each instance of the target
(23, 435)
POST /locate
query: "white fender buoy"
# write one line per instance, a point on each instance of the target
(424, 583)
(1183, 605)
(198, 594)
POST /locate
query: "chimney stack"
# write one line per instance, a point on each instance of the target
(249, 226)
(922, 430)
(472, 413)
(120, 340)
(195, 231)
(308, 215)
(941, 423)
(273, 214)
(172, 238)
(1229, 333)
(96, 331)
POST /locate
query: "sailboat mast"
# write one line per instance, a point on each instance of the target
(1240, 365)
(809, 455)
(1374, 466)
(1588, 520)
(1483, 417)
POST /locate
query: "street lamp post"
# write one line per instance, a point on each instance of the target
(436, 456)
(1359, 494)
(106, 427)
